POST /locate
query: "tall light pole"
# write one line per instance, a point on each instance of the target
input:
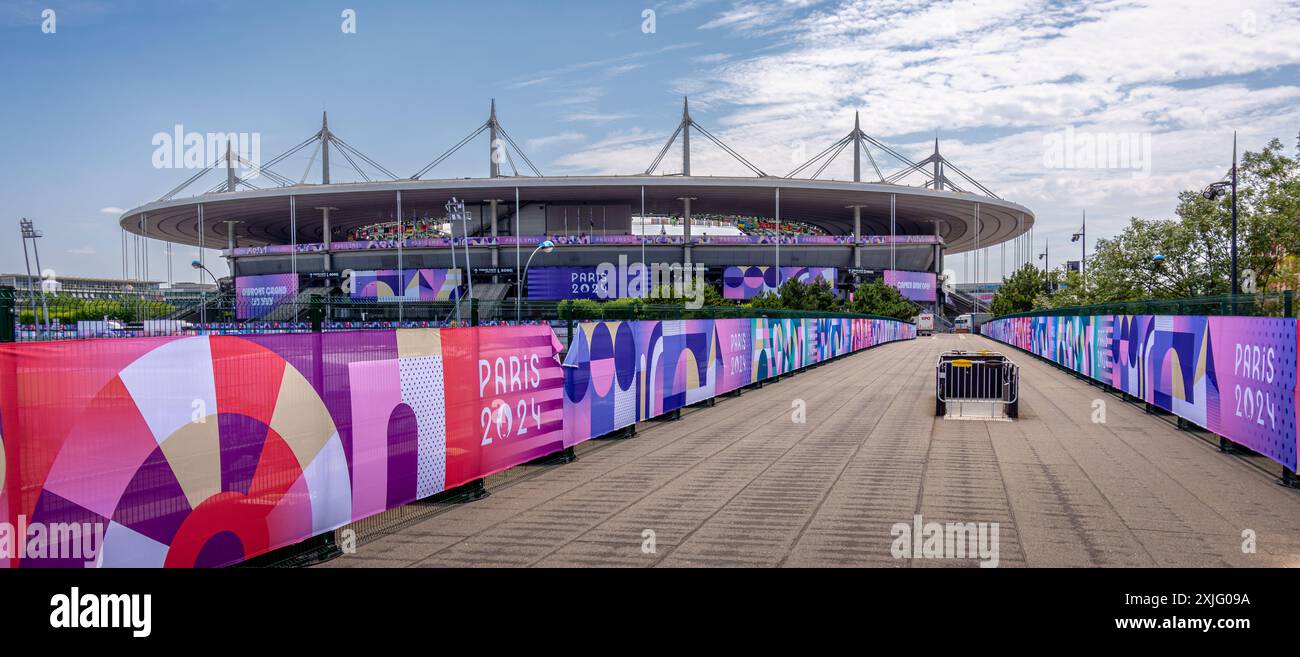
(455, 209)
(546, 247)
(30, 233)
(1216, 190)
(1046, 264)
(1083, 248)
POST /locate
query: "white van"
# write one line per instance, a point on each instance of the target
(961, 324)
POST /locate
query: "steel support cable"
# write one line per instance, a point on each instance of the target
(168, 196)
(730, 151)
(311, 162)
(265, 169)
(277, 159)
(451, 151)
(972, 181)
(831, 159)
(511, 161)
(872, 159)
(378, 167)
(259, 170)
(948, 184)
(882, 146)
(816, 157)
(355, 167)
(914, 166)
(522, 155)
(664, 151)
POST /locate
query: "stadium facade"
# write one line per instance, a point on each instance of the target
(309, 235)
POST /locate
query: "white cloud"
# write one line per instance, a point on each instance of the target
(992, 78)
(596, 117)
(83, 250)
(550, 140)
(112, 210)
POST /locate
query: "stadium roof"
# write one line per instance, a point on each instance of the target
(265, 218)
(264, 213)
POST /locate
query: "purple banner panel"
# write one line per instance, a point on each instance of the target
(1253, 402)
(257, 296)
(914, 285)
(1235, 376)
(749, 282)
(409, 284)
(568, 283)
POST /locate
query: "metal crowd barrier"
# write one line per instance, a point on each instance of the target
(976, 384)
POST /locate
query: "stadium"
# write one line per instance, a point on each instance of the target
(294, 239)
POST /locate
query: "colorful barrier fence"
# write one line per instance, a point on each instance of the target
(1235, 376)
(208, 450)
(620, 373)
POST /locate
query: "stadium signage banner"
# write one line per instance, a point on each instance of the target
(204, 451)
(568, 283)
(914, 285)
(751, 281)
(257, 296)
(410, 284)
(1235, 376)
(582, 240)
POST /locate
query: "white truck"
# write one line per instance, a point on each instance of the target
(924, 323)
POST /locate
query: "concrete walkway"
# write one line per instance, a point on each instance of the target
(743, 484)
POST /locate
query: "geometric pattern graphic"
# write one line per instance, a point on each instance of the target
(1235, 376)
(750, 281)
(665, 365)
(205, 451)
(411, 284)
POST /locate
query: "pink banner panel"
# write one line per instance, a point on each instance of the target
(205, 451)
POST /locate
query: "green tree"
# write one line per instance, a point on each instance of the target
(876, 298)
(793, 295)
(1018, 292)
(1196, 247)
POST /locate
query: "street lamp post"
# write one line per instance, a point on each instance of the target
(1046, 264)
(546, 247)
(1216, 190)
(1083, 248)
(203, 296)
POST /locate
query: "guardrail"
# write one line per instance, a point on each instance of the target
(1264, 304)
(1233, 375)
(61, 317)
(213, 449)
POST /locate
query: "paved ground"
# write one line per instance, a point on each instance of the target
(742, 484)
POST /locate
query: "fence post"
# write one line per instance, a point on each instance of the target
(316, 311)
(7, 316)
(473, 311)
(1286, 303)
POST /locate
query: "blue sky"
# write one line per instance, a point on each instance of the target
(585, 89)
